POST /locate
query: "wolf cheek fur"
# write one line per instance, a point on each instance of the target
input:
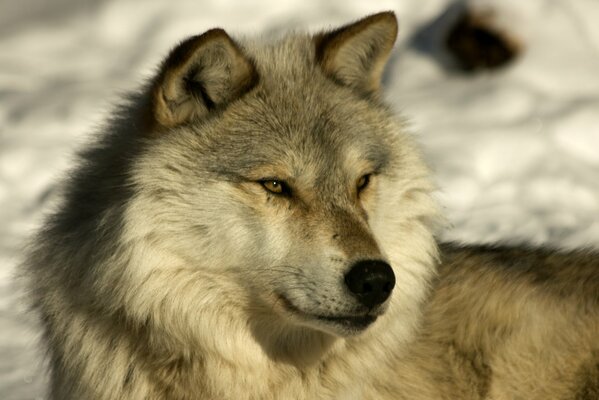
(176, 268)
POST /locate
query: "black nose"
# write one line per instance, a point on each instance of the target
(371, 281)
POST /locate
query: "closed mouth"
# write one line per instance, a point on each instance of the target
(350, 321)
(353, 322)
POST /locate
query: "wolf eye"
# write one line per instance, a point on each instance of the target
(363, 182)
(275, 186)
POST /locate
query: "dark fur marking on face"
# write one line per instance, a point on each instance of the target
(355, 238)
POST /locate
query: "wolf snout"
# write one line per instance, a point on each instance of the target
(370, 281)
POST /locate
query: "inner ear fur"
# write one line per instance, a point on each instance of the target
(355, 55)
(203, 73)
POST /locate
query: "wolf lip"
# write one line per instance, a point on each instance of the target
(356, 322)
(348, 321)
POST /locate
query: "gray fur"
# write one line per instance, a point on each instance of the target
(169, 272)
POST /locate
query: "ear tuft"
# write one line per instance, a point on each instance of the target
(355, 55)
(203, 73)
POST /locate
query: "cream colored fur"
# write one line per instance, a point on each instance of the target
(178, 286)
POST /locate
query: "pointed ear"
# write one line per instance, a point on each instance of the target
(203, 73)
(355, 55)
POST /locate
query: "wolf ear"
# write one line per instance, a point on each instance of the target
(355, 55)
(203, 73)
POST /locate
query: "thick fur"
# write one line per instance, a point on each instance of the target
(172, 271)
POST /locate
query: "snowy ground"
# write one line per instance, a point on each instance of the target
(516, 153)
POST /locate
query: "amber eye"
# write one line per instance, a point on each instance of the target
(275, 186)
(363, 182)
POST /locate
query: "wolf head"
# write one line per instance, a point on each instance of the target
(276, 175)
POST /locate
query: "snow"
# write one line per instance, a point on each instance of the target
(515, 152)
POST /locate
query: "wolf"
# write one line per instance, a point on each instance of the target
(256, 223)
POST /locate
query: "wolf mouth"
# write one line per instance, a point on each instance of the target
(356, 322)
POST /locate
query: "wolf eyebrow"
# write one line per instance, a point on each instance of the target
(237, 170)
(378, 158)
(228, 175)
(246, 174)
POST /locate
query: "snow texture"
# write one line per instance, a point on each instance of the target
(515, 152)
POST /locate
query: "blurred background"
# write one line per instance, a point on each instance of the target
(502, 94)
